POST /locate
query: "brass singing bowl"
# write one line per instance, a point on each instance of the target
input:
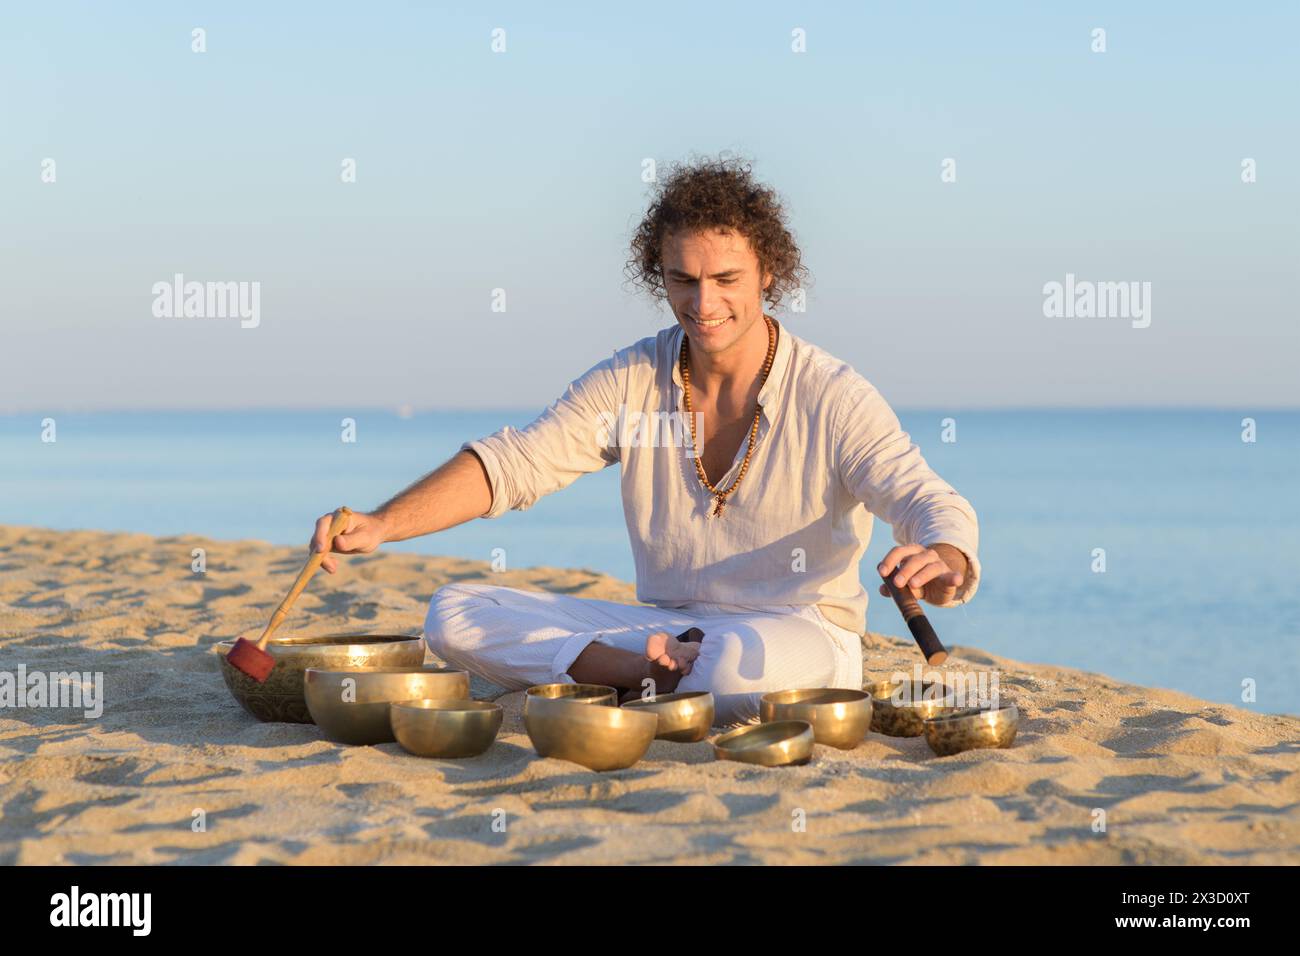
(840, 717)
(685, 717)
(777, 744)
(599, 738)
(580, 693)
(897, 710)
(282, 696)
(445, 728)
(971, 728)
(351, 707)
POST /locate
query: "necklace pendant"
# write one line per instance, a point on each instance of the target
(695, 451)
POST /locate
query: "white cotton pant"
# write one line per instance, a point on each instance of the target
(518, 638)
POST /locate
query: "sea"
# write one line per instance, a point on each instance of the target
(1160, 547)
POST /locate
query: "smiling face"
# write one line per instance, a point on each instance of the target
(715, 287)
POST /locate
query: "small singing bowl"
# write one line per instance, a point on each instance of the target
(445, 728)
(840, 717)
(281, 697)
(599, 738)
(971, 728)
(778, 744)
(351, 707)
(579, 693)
(898, 710)
(685, 717)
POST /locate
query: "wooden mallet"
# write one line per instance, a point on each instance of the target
(917, 622)
(252, 658)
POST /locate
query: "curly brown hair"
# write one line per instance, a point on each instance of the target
(720, 193)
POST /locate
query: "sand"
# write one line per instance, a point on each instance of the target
(1178, 780)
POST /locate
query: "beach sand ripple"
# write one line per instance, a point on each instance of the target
(1176, 779)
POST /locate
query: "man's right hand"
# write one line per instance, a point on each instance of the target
(364, 533)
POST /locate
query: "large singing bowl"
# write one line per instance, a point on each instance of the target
(445, 728)
(601, 694)
(599, 738)
(281, 697)
(901, 708)
(686, 717)
(781, 743)
(972, 728)
(351, 706)
(840, 717)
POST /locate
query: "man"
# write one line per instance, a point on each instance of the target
(756, 540)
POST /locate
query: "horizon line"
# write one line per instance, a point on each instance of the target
(411, 411)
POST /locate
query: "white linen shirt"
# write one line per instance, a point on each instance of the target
(830, 453)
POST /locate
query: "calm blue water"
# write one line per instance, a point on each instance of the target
(1201, 531)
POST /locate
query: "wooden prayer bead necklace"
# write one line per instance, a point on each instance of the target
(721, 496)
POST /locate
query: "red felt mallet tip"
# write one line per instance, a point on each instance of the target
(252, 659)
(246, 656)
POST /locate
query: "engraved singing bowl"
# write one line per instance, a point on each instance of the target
(282, 698)
(840, 717)
(778, 744)
(599, 738)
(685, 717)
(351, 706)
(898, 711)
(445, 728)
(971, 728)
(579, 693)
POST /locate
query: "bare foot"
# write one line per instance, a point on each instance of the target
(671, 654)
(668, 660)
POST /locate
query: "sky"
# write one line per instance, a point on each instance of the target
(523, 170)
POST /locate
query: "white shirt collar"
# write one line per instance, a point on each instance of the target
(780, 362)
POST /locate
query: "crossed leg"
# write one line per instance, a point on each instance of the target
(662, 663)
(518, 638)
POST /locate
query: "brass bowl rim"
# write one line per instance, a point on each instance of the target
(604, 690)
(770, 697)
(950, 693)
(798, 729)
(673, 698)
(335, 645)
(384, 670)
(557, 708)
(465, 705)
(331, 639)
(1005, 712)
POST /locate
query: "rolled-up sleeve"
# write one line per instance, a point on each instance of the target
(884, 469)
(567, 440)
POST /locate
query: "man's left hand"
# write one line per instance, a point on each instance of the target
(931, 574)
